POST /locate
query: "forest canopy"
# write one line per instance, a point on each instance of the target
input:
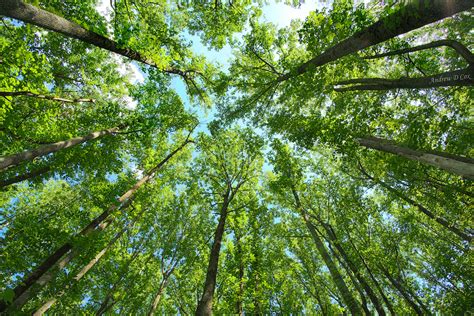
(219, 157)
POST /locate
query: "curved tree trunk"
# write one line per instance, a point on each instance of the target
(463, 77)
(27, 155)
(45, 272)
(25, 176)
(349, 300)
(415, 14)
(455, 164)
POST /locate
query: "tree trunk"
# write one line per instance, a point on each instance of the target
(402, 291)
(44, 272)
(27, 155)
(42, 96)
(157, 298)
(28, 13)
(460, 49)
(349, 300)
(415, 14)
(240, 294)
(353, 267)
(463, 77)
(455, 164)
(440, 220)
(25, 176)
(204, 307)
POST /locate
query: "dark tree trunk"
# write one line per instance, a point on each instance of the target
(27, 155)
(204, 307)
(349, 300)
(44, 273)
(463, 77)
(25, 176)
(30, 14)
(415, 14)
(455, 164)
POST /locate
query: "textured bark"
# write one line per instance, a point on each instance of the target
(415, 14)
(25, 176)
(455, 164)
(355, 270)
(457, 78)
(27, 155)
(349, 300)
(42, 96)
(44, 273)
(440, 220)
(204, 307)
(30, 14)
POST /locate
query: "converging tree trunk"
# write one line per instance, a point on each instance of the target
(415, 14)
(462, 166)
(351, 303)
(42, 96)
(440, 220)
(45, 272)
(28, 155)
(30, 14)
(204, 307)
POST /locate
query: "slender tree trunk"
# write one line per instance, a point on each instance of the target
(25, 176)
(42, 96)
(30, 14)
(27, 155)
(460, 49)
(204, 307)
(349, 300)
(45, 272)
(440, 220)
(86, 268)
(463, 77)
(455, 164)
(402, 291)
(157, 298)
(240, 294)
(415, 14)
(353, 267)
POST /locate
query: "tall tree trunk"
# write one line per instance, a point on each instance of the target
(349, 300)
(240, 294)
(30, 14)
(353, 267)
(45, 272)
(157, 298)
(402, 291)
(204, 307)
(87, 267)
(25, 176)
(27, 155)
(42, 96)
(415, 14)
(440, 220)
(455, 164)
(463, 77)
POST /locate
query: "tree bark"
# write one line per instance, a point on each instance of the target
(25, 176)
(157, 298)
(424, 210)
(28, 13)
(45, 272)
(27, 155)
(460, 48)
(463, 77)
(42, 96)
(349, 300)
(415, 14)
(355, 270)
(455, 164)
(204, 307)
